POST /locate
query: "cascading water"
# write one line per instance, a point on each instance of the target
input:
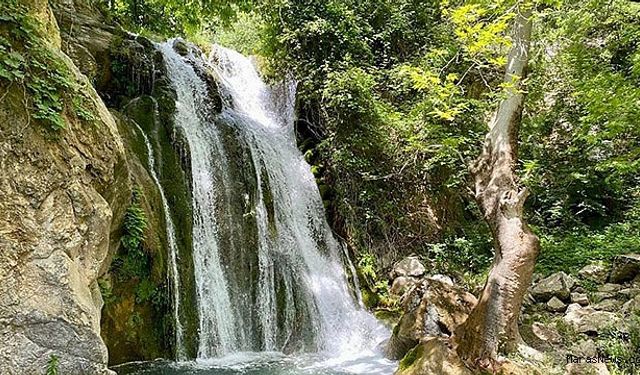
(268, 270)
(171, 239)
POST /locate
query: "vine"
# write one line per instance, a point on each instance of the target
(27, 60)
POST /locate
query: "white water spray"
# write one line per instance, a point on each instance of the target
(269, 275)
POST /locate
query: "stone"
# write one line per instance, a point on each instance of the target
(588, 320)
(580, 298)
(612, 305)
(595, 272)
(555, 305)
(434, 357)
(410, 266)
(557, 285)
(443, 278)
(401, 284)
(628, 293)
(584, 348)
(631, 306)
(624, 268)
(607, 291)
(181, 47)
(57, 205)
(610, 288)
(584, 368)
(579, 289)
(546, 333)
(431, 308)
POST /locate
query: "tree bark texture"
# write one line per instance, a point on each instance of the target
(492, 327)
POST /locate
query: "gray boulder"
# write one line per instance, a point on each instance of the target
(631, 306)
(555, 305)
(628, 293)
(580, 298)
(588, 320)
(624, 268)
(443, 278)
(612, 305)
(596, 272)
(546, 333)
(557, 285)
(607, 291)
(409, 266)
(401, 284)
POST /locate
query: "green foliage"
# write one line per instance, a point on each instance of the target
(27, 60)
(146, 291)
(172, 17)
(132, 261)
(572, 250)
(582, 143)
(106, 290)
(398, 102)
(367, 267)
(52, 365)
(243, 35)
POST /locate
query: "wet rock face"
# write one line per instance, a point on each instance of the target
(432, 308)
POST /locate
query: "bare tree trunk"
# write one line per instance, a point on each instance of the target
(492, 327)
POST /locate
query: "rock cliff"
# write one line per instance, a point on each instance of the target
(64, 193)
(56, 219)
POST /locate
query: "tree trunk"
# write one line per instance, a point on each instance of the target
(492, 326)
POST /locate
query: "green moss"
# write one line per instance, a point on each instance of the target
(369, 298)
(411, 357)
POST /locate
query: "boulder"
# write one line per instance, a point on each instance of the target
(409, 266)
(401, 285)
(434, 357)
(624, 268)
(595, 272)
(612, 305)
(443, 278)
(628, 293)
(584, 348)
(580, 298)
(546, 333)
(431, 309)
(557, 285)
(180, 46)
(588, 320)
(610, 288)
(607, 291)
(555, 305)
(631, 306)
(584, 368)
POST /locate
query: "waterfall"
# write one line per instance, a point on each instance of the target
(268, 270)
(354, 276)
(173, 246)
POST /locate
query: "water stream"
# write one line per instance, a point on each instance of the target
(272, 294)
(171, 239)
